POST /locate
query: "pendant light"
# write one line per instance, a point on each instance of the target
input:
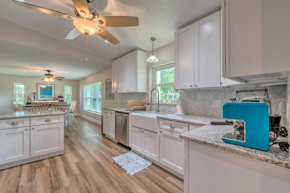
(152, 58)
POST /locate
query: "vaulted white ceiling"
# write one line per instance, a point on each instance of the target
(158, 18)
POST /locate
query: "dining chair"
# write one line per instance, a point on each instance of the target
(38, 106)
(71, 113)
(16, 107)
(58, 106)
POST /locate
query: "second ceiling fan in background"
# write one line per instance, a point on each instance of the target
(87, 21)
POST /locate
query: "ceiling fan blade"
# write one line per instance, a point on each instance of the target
(74, 33)
(82, 7)
(57, 78)
(107, 36)
(43, 10)
(117, 21)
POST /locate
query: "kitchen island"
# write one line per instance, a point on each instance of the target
(30, 136)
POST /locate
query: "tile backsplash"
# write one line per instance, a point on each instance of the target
(200, 102)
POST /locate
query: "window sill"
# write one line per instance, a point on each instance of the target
(96, 113)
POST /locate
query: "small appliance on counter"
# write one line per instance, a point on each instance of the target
(250, 124)
(60, 98)
(179, 110)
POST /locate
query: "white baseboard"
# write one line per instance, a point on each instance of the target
(89, 118)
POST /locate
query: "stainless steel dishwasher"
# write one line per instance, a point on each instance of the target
(122, 128)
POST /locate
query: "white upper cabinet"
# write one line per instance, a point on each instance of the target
(117, 75)
(208, 51)
(198, 54)
(130, 73)
(256, 37)
(184, 58)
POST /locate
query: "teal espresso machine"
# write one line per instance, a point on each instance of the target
(250, 124)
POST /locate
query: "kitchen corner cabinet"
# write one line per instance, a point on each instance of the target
(145, 142)
(256, 37)
(129, 73)
(198, 54)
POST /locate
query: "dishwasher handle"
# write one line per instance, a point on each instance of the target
(122, 114)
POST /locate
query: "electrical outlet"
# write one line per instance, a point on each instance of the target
(217, 103)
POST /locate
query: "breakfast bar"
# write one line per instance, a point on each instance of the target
(30, 136)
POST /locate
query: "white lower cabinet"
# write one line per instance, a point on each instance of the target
(14, 145)
(47, 139)
(136, 138)
(172, 151)
(109, 124)
(145, 142)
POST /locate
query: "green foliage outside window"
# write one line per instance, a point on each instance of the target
(19, 93)
(164, 78)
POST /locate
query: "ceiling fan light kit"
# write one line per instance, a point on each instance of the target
(86, 20)
(152, 58)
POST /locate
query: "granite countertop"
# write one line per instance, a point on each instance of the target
(195, 120)
(123, 110)
(212, 136)
(28, 114)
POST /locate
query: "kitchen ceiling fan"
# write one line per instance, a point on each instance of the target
(50, 78)
(87, 21)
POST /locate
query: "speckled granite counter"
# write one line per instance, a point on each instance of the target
(189, 119)
(122, 110)
(212, 136)
(28, 114)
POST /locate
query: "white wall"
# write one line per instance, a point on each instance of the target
(7, 89)
(165, 55)
(101, 76)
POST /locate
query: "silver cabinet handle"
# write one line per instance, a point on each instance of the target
(26, 129)
(14, 123)
(32, 128)
(47, 120)
(191, 86)
(172, 126)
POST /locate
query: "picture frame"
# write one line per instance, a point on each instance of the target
(45, 91)
(108, 89)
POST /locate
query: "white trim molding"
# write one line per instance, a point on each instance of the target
(89, 118)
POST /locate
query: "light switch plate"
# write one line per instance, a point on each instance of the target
(217, 103)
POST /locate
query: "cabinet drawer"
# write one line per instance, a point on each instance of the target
(14, 123)
(46, 120)
(173, 126)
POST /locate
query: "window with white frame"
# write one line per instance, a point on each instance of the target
(163, 80)
(19, 93)
(67, 94)
(92, 97)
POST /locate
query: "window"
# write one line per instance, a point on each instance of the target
(163, 80)
(92, 97)
(19, 93)
(67, 94)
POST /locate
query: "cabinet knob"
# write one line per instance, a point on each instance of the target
(26, 129)
(128, 90)
(47, 120)
(195, 86)
(191, 86)
(32, 128)
(172, 126)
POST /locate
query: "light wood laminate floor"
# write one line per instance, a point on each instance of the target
(86, 166)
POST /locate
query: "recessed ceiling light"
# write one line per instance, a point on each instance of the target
(106, 41)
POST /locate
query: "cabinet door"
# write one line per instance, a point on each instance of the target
(117, 75)
(184, 58)
(136, 139)
(111, 125)
(106, 124)
(171, 150)
(126, 73)
(47, 139)
(151, 145)
(14, 145)
(208, 51)
(133, 72)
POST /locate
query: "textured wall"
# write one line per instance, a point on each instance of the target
(199, 102)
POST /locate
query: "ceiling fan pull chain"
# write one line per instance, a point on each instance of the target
(87, 47)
